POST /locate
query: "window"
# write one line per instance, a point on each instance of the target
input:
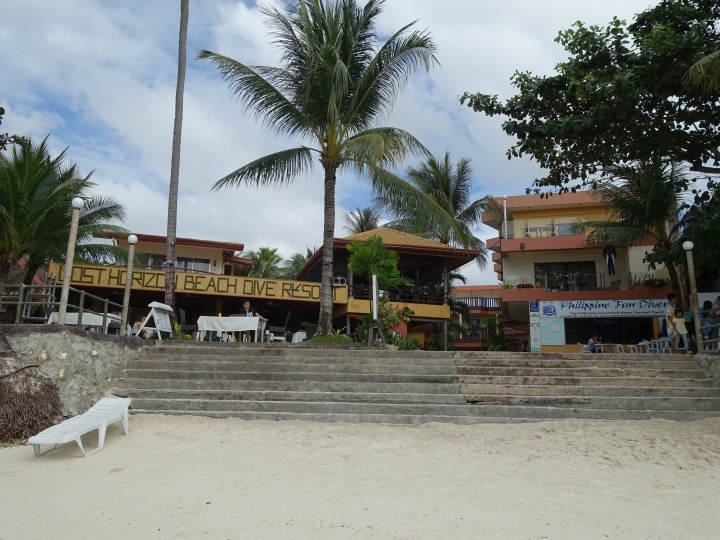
(566, 276)
(151, 260)
(613, 330)
(189, 263)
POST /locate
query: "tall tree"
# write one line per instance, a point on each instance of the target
(266, 262)
(362, 220)
(622, 96)
(175, 159)
(336, 80)
(36, 190)
(643, 202)
(706, 72)
(450, 187)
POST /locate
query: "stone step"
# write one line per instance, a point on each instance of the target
(589, 381)
(298, 396)
(479, 410)
(602, 402)
(347, 359)
(238, 366)
(289, 386)
(353, 418)
(234, 349)
(609, 391)
(242, 366)
(585, 362)
(276, 376)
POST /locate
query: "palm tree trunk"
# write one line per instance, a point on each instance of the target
(675, 279)
(175, 160)
(32, 269)
(326, 298)
(6, 262)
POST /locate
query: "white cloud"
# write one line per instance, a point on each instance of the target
(101, 77)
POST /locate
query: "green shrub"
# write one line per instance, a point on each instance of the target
(405, 344)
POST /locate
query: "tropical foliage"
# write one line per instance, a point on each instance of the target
(337, 79)
(292, 266)
(266, 262)
(496, 339)
(643, 202)
(450, 187)
(36, 190)
(362, 220)
(372, 258)
(622, 96)
(706, 72)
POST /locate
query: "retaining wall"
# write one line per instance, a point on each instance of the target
(83, 364)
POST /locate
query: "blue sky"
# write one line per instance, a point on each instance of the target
(99, 77)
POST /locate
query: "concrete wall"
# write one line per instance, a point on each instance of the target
(83, 364)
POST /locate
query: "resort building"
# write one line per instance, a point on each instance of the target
(559, 288)
(212, 279)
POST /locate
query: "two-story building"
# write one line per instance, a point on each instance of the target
(566, 280)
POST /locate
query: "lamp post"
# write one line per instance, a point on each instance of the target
(688, 247)
(77, 204)
(132, 240)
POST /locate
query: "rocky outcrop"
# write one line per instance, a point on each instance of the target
(82, 364)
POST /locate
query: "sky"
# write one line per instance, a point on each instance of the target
(98, 77)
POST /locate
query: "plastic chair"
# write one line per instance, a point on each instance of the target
(618, 349)
(632, 349)
(583, 348)
(281, 331)
(665, 345)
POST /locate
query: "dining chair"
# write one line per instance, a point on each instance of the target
(280, 330)
(632, 349)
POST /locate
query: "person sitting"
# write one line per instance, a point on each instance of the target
(592, 343)
(248, 311)
(136, 329)
(524, 347)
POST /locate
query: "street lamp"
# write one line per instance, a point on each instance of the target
(77, 204)
(132, 240)
(688, 247)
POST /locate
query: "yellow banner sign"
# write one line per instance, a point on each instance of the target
(154, 280)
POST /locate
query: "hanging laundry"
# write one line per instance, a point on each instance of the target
(609, 253)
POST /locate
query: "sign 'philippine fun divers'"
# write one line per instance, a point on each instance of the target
(575, 309)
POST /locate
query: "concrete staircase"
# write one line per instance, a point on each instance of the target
(290, 383)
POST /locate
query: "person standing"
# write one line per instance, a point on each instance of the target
(679, 323)
(707, 322)
(669, 316)
(609, 254)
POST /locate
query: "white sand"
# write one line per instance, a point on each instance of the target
(294, 480)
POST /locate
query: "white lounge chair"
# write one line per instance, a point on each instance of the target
(99, 416)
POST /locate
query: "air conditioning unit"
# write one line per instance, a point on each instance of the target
(339, 282)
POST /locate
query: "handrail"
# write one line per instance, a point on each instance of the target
(23, 307)
(480, 302)
(410, 295)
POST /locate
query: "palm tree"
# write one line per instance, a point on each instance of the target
(449, 186)
(336, 80)
(643, 203)
(361, 220)
(294, 264)
(96, 221)
(706, 72)
(36, 190)
(175, 158)
(266, 262)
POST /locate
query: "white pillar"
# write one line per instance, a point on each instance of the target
(505, 223)
(132, 240)
(688, 247)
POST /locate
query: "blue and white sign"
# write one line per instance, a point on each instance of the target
(535, 342)
(576, 309)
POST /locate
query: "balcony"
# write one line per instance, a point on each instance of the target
(483, 305)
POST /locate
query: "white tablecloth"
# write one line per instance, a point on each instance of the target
(90, 320)
(224, 325)
(298, 337)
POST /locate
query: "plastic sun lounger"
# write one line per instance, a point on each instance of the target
(99, 416)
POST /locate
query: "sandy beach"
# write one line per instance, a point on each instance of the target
(188, 477)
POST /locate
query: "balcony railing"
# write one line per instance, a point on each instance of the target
(480, 303)
(410, 295)
(539, 228)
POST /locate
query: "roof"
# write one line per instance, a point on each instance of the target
(403, 244)
(398, 238)
(469, 288)
(238, 260)
(156, 239)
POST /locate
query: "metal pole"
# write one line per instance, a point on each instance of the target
(105, 312)
(77, 204)
(21, 296)
(688, 246)
(446, 286)
(81, 306)
(375, 297)
(132, 239)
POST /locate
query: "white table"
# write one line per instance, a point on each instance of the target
(299, 337)
(226, 325)
(602, 346)
(90, 320)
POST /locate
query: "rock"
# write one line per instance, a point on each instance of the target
(93, 353)
(42, 357)
(61, 373)
(62, 356)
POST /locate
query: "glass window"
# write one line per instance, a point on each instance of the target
(612, 330)
(189, 263)
(565, 276)
(151, 260)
